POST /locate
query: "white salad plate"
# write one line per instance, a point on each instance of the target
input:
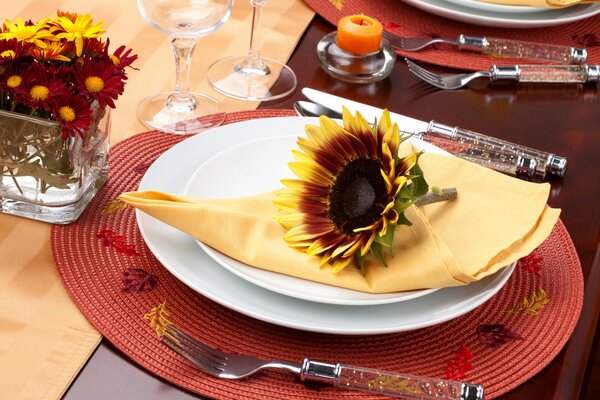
(181, 255)
(460, 10)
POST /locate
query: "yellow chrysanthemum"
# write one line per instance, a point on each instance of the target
(75, 31)
(52, 52)
(26, 33)
(351, 192)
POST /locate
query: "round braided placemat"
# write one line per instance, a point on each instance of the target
(407, 21)
(115, 280)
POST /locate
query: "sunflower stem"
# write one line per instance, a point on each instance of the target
(436, 196)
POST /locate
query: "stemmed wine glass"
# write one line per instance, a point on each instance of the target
(252, 77)
(180, 111)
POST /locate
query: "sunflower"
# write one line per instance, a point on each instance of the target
(352, 190)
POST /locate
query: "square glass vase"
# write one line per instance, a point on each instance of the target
(45, 177)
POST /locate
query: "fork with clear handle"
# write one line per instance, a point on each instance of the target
(515, 73)
(496, 47)
(236, 366)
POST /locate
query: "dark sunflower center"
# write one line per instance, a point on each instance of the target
(358, 195)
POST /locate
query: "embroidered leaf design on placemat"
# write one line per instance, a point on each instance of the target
(339, 4)
(158, 318)
(531, 263)
(113, 206)
(111, 239)
(136, 280)
(460, 364)
(586, 40)
(495, 335)
(391, 26)
(531, 305)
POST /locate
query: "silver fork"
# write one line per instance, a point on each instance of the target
(445, 81)
(516, 73)
(496, 47)
(413, 44)
(236, 366)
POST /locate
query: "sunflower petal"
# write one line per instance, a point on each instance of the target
(340, 263)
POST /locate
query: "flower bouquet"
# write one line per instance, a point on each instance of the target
(58, 81)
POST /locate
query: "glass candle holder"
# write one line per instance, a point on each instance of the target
(356, 52)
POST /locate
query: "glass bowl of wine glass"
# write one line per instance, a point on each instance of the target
(182, 111)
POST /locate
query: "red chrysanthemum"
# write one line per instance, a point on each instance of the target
(73, 112)
(12, 49)
(100, 81)
(122, 57)
(38, 87)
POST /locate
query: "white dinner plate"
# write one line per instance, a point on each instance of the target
(549, 17)
(255, 167)
(180, 254)
(497, 8)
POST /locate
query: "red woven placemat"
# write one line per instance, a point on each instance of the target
(412, 22)
(115, 280)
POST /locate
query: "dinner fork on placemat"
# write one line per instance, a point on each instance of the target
(236, 366)
(495, 47)
(576, 74)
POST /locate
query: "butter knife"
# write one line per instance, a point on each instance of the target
(510, 158)
(497, 47)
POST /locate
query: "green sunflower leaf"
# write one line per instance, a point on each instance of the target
(387, 239)
(402, 220)
(377, 250)
(419, 185)
(360, 261)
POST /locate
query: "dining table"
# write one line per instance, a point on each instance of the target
(562, 119)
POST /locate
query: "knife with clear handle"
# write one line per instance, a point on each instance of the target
(497, 47)
(503, 156)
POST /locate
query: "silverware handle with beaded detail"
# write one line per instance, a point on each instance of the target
(546, 73)
(521, 49)
(503, 156)
(389, 383)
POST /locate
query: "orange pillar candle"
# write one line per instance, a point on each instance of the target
(359, 34)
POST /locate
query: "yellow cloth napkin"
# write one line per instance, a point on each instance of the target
(495, 221)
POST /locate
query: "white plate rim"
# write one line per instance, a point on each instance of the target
(177, 252)
(506, 20)
(501, 8)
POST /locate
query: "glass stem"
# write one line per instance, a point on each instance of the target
(253, 63)
(183, 50)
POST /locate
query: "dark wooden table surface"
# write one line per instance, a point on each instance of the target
(564, 120)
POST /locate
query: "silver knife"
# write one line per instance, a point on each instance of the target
(510, 158)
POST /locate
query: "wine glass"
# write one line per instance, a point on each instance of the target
(180, 111)
(252, 77)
